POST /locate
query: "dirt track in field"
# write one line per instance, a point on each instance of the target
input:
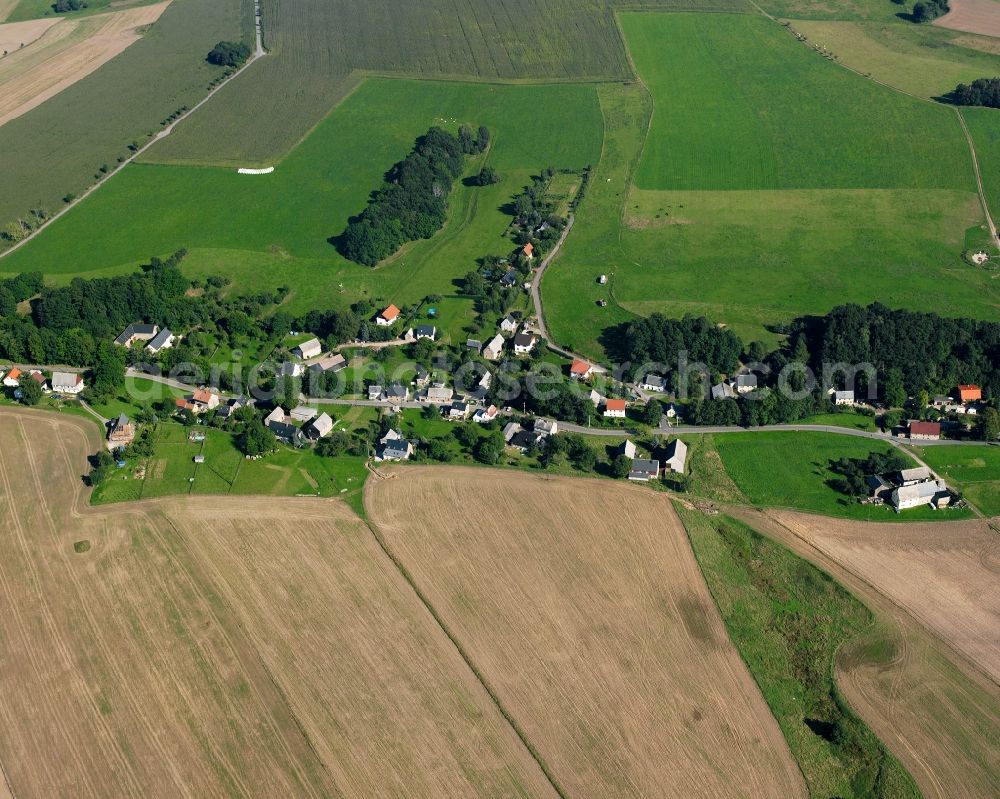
(972, 16)
(65, 53)
(219, 647)
(934, 708)
(15, 35)
(582, 606)
(945, 575)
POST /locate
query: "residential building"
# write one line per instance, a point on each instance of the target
(12, 378)
(745, 383)
(509, 279)
(672, 410)
(421, 377)
(374, 393)
(39, 378)
(485, 415)
(320, 427)
(510, 430)
(595, 398)
(843, 397)
(388, 317)
(121, 433)
(615, 408)
(969, 393)
(308, 349)
(925, 431)
(425, 331)
(393, 447)
(290, 369)
(234, 405)
(184, 404)
(723, 391)
(439, 394)
(163, 340)
(136, 332)
(676, 456)
(205, 399)
(303, 413)
(644, 470)
(397, 394)
(508, 324)
(528, 251)
(458, 410)
(494, 349)
(524, 343)
(580, 370)
(653, 383)
(288, 433)
(627, 449)
(524, 440)
(474, 344)
(546, 427)
(67, 383)
(277, 416)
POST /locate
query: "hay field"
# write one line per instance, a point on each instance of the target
(66, 54)
(935, 710)
(15, 35)
(944, 575)
(218, 648)
(581, 604)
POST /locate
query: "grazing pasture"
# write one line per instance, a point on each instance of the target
(975, 471)
(944, 576)
(65, 54)
(272, 230)
(790, 470)
(58, 147)
(217, 647)
(583, 608)
(788, 620)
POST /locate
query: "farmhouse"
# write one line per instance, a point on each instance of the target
(524, 343)
(388, 317)
(136, 332)
(653, 383)
(878, 487)
(676, 456)
(843, 397)
(925, 431)
(615, 408)
(644, 470)
(494, 349)
(277, 416)
(320, 427)
(970, 393)
(308, 349)
(602, 279)
(425, 331)
(931, 492)
(121, 433)
(580, 370)
(303, 414)
(909, 477)
(163, 340)
(332, 363)
(508, 324)
(67, 383)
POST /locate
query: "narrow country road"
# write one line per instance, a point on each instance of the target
(979, 179)
(259, 52)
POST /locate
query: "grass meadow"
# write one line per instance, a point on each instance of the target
(790, 470)
(57, 148)
(975, 471)
(272, 230)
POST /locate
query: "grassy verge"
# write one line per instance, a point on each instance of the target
(788, 620)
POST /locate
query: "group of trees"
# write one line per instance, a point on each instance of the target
(852, 472)
(658, 339)
(227, 54)
(928, 10)
(535, 217)
(412, 204)
(982, 91)
(64, 6)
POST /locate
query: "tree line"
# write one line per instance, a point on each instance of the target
(413, 201)
(982, 91)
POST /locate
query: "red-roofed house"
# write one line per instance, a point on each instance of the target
(205, 399)
(12, 378)
(615, 408)
(927, 431)
(388, 316)
(185, 405)
(529, 250)
(970, 393)
(580, 370)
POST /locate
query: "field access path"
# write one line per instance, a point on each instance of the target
(259, 52)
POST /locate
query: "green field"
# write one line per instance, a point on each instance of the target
(973, 470)
(272, 230)
(772, 183)
(320, 48)
(790, 470)
(58, 147)
(788, 620)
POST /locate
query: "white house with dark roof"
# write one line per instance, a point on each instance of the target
(163, 340)
(524, 343)
(136, 332)
(643, 470)
(508, 324)
(67, 383)
(653, 383)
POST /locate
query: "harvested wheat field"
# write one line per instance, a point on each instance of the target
(220, 648)
(65, 53)
(945, 575)
(581, 604)
(972, 16)
(15, 35)
(936, 710)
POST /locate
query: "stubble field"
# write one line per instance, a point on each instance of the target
(581, 604)
(217, 648)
